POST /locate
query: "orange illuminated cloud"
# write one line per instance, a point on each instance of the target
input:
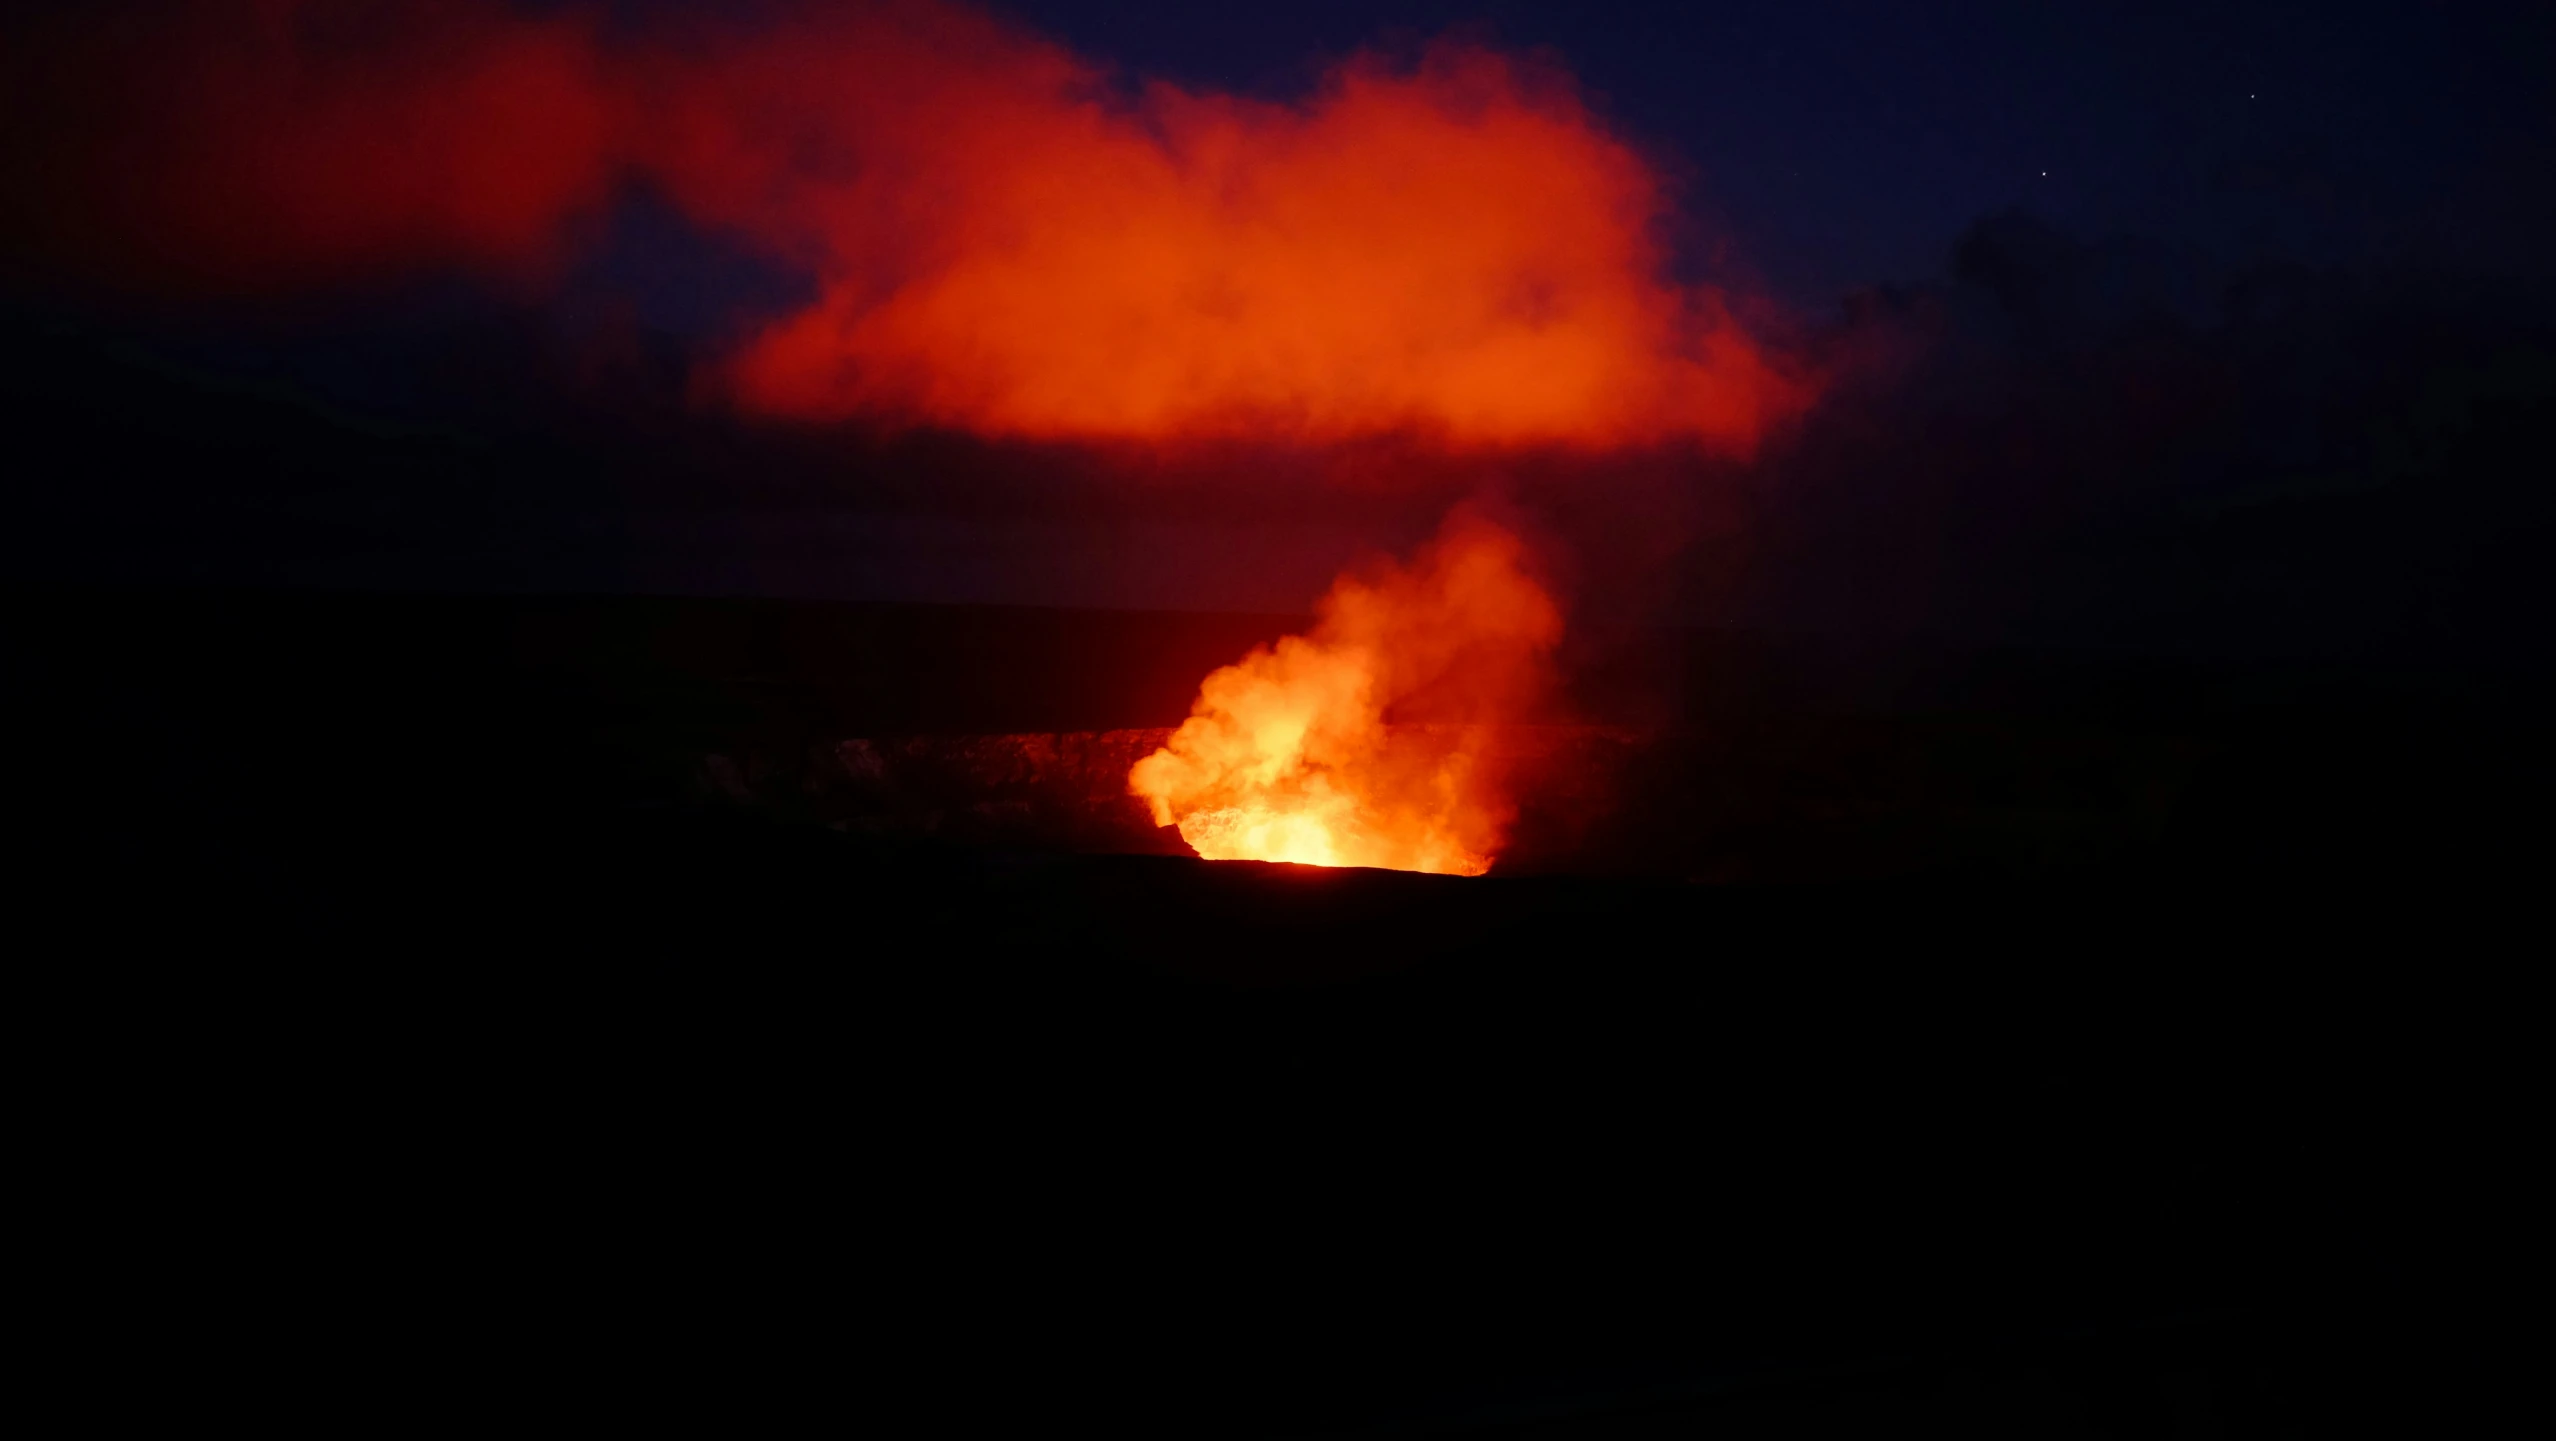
(1005, 239)
(1009, 245)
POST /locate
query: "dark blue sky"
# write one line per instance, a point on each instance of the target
(1840, 143)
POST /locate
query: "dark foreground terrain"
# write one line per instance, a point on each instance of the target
(490, 1009)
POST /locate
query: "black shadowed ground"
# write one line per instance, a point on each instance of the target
(2003, 1045)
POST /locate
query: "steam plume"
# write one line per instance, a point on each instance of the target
(1004, 238)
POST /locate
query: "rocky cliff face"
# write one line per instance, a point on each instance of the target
(1067, 790)
(1807, 801)
(1058, 789)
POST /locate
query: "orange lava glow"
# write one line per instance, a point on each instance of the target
(1288, 756)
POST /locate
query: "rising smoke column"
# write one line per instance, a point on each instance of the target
(1288, 755)
(1452, 251)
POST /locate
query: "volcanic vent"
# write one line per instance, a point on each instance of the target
(1288, 755)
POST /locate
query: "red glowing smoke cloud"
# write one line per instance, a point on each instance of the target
(1004, 240)
(1007, 245)
(273, 145)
